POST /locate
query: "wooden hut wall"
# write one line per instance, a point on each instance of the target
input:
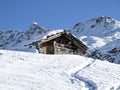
(64, 44)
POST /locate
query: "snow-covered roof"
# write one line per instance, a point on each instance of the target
(52, 33)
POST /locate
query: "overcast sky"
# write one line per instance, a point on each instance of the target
(53, 14)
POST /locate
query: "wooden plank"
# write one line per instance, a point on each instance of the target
(50, 38)
(49, 48)
(80, 45)
(69, 46)
(76, 41)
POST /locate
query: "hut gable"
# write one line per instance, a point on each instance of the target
(61, 43)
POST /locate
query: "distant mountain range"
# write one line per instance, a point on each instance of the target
(101, 35)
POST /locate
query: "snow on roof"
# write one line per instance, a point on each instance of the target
(52, 32)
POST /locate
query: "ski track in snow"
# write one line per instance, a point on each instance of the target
(88, 83)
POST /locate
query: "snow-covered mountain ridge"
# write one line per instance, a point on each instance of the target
(102, 36)
(16, 40)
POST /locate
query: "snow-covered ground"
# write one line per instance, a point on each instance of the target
(32, 71)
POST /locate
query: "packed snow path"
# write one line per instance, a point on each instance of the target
(88, 83)
(30, 71)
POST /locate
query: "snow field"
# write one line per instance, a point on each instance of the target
(32, 71)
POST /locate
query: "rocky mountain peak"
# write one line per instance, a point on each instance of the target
(102, 24)
(36, 28)
(11, 39)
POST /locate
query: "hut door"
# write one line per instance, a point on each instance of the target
(50, 49)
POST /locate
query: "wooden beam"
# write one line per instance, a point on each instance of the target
(69, 46)
(50, 38)
(76, 41)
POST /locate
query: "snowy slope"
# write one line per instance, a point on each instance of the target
(101, 35)
(31, 71)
